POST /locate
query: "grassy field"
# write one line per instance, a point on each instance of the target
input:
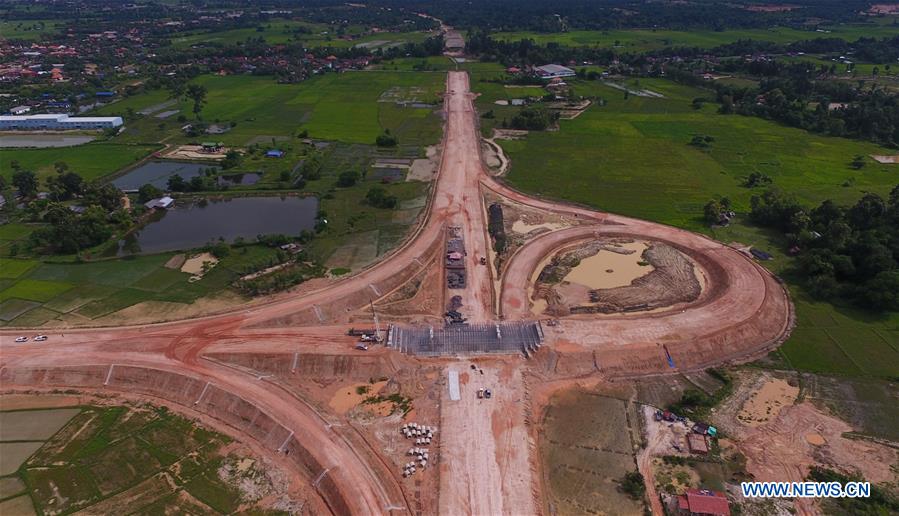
(633, 157)
(640, 40)
(91, 161)
(289, 31)
(45, 292)
(29, 30)
(351, 107)
(112, 459)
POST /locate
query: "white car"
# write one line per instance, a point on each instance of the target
(40, 338)
(21, 339)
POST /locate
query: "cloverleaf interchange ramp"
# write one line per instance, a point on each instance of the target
(742, 312)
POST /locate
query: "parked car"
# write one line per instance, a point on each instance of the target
(40, 338)
(21, 339)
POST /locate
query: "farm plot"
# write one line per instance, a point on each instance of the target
(586, 449)
(109, 459)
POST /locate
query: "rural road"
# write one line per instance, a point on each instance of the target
(743, 310)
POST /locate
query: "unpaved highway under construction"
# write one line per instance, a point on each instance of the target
(742, 312)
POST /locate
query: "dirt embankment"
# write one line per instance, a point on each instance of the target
(670, 279)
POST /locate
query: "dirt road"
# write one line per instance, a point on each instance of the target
(655, 445)
(485, 468)
(459, 196)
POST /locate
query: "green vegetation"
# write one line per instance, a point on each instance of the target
(148, 455)
(29, 30)
(880, 502)
(641, 40)
(632, 484)
(600, 159)
(74, 291)
(312, 35)
(91, 161)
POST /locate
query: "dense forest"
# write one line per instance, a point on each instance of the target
(844, 252)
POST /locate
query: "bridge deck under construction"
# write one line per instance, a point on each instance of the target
(467, 339)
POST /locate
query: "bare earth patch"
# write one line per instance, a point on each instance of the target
(766, 403)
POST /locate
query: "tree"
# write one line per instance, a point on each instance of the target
(232, 159)
(176, 183)
(347, 178)
(632, 484)
(379, 198)
(65, 185)
(714, 212)
(25, 181)
(386, 139)
(197, 94)
(858, 162)
(148, 192)
(105, 196)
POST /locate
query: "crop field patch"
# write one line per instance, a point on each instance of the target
(402, 94)
(78, 297)
(867, 404)
(867, 348)
(115, 273)
(35, 290)
(33, 425)
(91, 161)
(586, 449)
(122, 464)
(19, 506)
(110, 459)
(35, 318)
(62, 488)
(12, 268)
(12, 308)
(10, 486)
(12, 455)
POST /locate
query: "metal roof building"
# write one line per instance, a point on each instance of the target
(58, 122)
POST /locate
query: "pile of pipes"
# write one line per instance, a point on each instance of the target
(420, 455)
(423, 435)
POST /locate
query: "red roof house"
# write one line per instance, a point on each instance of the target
(702, 502)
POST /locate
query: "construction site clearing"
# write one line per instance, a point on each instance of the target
(340, 379)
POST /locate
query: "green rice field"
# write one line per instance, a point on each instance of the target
(640, 40)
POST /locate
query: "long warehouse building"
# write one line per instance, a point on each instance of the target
(58, 122)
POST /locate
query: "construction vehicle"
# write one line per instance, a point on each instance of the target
(480, 393)
(361, 347)
(488, 394)
(483, 261)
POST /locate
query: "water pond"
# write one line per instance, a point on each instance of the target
(157, 173)
(189, 225)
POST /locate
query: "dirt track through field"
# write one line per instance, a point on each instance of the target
(742, 312)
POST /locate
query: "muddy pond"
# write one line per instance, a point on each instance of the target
(189, 225)
(608, 269)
